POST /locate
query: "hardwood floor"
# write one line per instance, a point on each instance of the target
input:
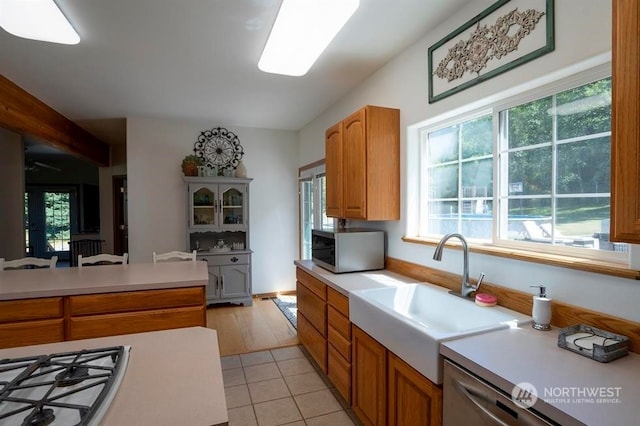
(248, 329)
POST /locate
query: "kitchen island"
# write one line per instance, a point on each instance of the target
(173, 377)
(52, 305)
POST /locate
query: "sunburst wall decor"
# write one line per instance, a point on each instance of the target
(219, 148)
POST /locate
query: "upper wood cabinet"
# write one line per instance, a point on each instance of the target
(625, 125)
(363, 165)
(333, 170)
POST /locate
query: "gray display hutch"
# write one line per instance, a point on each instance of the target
(218, 228)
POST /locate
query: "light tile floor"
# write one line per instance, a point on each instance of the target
(281, 387)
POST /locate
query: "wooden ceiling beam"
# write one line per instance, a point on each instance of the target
(25, 114)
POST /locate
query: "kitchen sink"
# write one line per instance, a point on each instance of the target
(412, 319)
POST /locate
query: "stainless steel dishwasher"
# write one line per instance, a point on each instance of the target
(469, 400)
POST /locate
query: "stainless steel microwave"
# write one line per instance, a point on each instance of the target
(348, 250)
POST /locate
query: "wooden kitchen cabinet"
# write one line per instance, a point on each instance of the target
(363, 165)
(312, 316)
(413, 399)
(369, 394)
(339, 342)
(387, 390)
(108, 314)
(625, 122)
(31, 321)
(333, 170)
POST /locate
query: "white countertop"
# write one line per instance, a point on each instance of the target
(352, 281)
(561, 378)
(32, 283)
(174, 377)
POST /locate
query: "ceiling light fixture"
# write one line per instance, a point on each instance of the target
(302, 30)
(37, 20)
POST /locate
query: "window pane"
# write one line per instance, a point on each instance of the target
(477, 137)
(477, 178)
(531, 168)
(525, 212)
(530, 124)
(584, 219)
(585, 110)
(443, 217)
(584, 167)
(443, 145)
(57, 221)
(444, 181)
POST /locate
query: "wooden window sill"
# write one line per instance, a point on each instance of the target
(580, 264)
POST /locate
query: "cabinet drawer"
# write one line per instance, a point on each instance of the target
(313, 284)
(315, 343)
(339, 372)
(30, 309)
(134, 322)
(339, 322)
(135, 301)
(226, 259)
(313, 308)
(31, 333)
(340, 344)
(338, 301)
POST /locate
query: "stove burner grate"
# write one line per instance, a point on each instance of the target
(64, 388)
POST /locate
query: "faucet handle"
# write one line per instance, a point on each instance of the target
(480, 278)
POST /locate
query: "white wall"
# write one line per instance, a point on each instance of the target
(582, 33)
(157, 194)
(11, 195)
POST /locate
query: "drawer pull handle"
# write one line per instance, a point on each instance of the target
(234, 259)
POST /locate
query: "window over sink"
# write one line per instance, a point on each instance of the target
(530, 172)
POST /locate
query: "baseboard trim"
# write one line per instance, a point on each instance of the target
(273, 294)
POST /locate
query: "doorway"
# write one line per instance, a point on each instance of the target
(50, 219)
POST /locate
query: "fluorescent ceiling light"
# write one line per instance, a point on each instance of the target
(37, 20)
(302, 30)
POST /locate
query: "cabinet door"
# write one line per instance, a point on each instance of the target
(234, 281)
(213, 287)
(333, 170)
(625, 122)
(354, 165)
(203, 206)
(369, 379)
(413, 399)
(232, 206)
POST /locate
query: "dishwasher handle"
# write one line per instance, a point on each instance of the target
(465, 392)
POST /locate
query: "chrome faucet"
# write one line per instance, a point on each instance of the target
(466, 288)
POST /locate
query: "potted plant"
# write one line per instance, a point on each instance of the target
(190, 165)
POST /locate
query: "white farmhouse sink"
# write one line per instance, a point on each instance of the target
(412, 319)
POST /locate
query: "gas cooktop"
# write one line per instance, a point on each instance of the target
(69, 388)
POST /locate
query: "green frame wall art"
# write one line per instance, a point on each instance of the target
(506, 35)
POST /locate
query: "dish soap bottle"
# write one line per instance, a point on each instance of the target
(541, 310)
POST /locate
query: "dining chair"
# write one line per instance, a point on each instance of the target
(34, 262)
(98, 258)
(181, 255)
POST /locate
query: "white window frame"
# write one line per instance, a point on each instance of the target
(314, 175)
(416, 221)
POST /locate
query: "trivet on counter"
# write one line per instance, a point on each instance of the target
(591, 342)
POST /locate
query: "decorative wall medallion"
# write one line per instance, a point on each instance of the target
(499, 39)
(219, 148)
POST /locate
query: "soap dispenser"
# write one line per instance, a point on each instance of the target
(541, 310)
